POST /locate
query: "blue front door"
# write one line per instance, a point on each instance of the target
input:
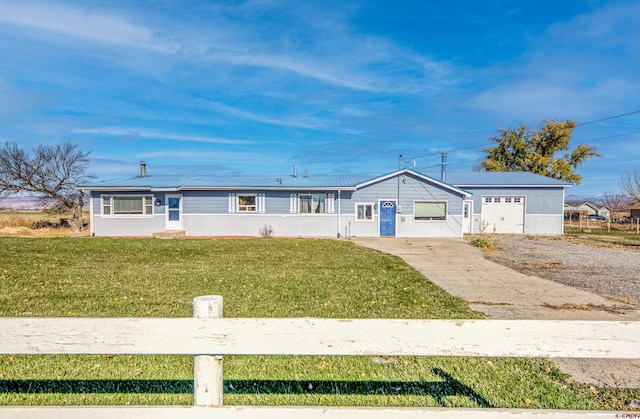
(174, 212)
(388, 218)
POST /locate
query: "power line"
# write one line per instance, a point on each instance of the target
(608, 118)
(612, 136)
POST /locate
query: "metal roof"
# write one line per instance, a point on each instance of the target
(231, 182)
(502, 179)
(319, 182)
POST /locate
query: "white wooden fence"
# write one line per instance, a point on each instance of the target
(208, 337)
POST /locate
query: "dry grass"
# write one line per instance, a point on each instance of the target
(542, 265)
(487, 303)
(616, 309)
(35, 223)
(623, 300)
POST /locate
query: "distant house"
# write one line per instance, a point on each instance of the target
(634, 210)
(404, 203)
(591, 208)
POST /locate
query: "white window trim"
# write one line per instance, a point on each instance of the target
(112, 207)
(238, 206)
(330, 201)
(329, 207)
(364, 220)
(446, 211)
(234, 204)
(503, 199)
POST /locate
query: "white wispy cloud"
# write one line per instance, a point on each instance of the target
(343, 58)
(297, 121)
(156, 135)
(82, 22)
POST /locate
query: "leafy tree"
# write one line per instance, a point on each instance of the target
(631, 184)
(523, 149)
(52, 172)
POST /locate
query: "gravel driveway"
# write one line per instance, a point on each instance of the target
(613, 272)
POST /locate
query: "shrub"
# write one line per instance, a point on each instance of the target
(43, 223)
(266, 232)
(482, 242)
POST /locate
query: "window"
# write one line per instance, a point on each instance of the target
(429, 211)
(247, 203)
(487, 200)
(364, 212)
(106, 205)
(517, 200)
(312, 204)
(127, 205)
(507, 200)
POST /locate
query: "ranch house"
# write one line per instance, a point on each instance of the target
(404, 203)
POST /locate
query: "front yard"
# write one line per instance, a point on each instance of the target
(257, 278)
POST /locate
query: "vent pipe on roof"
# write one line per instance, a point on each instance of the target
(306, 172)
(443, 168)
(143, 168)
(295, 171)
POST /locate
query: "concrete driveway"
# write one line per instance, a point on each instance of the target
(498, 291)
(503, 293)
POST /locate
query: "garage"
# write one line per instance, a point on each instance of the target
(503, 214)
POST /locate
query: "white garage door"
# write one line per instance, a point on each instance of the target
(503, 214)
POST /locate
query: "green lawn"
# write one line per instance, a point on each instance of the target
(257, 278)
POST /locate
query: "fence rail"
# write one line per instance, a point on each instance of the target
(208, 337)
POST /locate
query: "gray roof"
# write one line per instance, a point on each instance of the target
(346, 182)
(231, 182)
(518, 179)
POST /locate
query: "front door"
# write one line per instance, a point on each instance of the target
(467, 217)
(387, 218)
(174, 212)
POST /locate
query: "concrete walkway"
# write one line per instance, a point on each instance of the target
(503, 293)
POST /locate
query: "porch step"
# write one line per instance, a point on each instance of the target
(168, 234)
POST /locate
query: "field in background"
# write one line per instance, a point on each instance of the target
(257, 278)
(36, 223)
(620, 234)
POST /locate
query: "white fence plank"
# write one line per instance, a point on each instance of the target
(312, 336)
(246, 412)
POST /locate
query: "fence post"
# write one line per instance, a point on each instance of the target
(207, 369)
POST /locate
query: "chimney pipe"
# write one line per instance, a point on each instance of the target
(443, 168)
(143, 168)
(295, 171)
(306, 172)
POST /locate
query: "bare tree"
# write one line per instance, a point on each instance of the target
(616, 202)
(51, 172)
(630, 182)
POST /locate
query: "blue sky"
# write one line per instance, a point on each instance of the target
(257, 86)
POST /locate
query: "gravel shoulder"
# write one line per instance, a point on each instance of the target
(610, 271)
